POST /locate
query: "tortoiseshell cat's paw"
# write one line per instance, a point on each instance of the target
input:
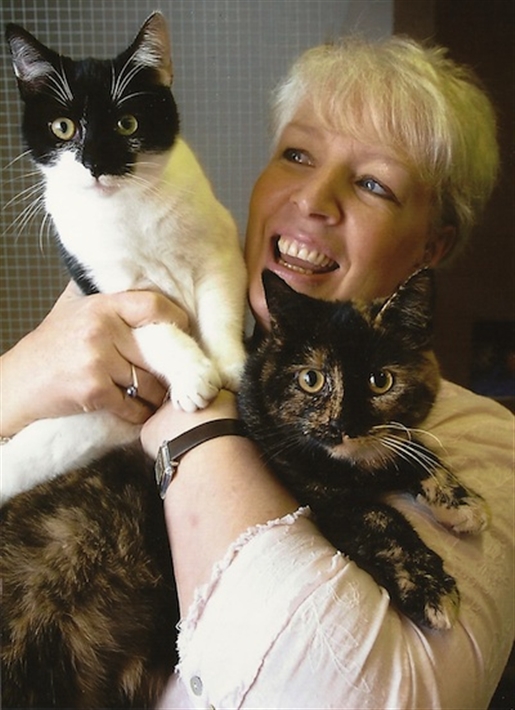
(454, 505)
(441, 616)
(470, 516)
(423, 591)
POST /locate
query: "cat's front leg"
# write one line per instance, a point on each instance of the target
(49, 447)
(173, 355)
(381, 541)
(220, 304)
(454, 505)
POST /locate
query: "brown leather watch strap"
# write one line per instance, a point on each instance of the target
(170, 452)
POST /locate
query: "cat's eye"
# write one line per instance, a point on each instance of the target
(310, 380)
(63, 128)
(381, 381)
(127, 125)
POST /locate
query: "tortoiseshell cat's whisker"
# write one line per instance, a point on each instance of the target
(410, 453)
(429, 434)
(393, 425)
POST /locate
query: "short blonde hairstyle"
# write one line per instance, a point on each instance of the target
(414, 100)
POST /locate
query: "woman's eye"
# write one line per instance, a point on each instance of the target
(374, 186)
(295, 155)
(63, 128)
(310, 380)
(381, 381)
(127, 125)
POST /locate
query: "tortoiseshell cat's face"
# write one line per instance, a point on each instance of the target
(346, 378)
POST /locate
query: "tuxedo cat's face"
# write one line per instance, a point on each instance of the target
(342, 376)
(94, 118)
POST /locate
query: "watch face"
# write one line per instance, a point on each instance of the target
(164, 469)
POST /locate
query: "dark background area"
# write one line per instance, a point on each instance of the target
(477, 293)
(479, 288)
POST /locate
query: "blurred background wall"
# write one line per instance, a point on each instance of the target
(228, 55)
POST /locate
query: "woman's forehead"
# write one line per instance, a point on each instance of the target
(311, 119)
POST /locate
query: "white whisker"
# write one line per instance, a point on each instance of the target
(131, 96)
(66, 84)
(24, 194)
(409, 431)
(124, 78)
(45, 231)
(60, 87)
(412, 452)
(15, 160)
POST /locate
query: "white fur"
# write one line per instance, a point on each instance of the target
(163, 230)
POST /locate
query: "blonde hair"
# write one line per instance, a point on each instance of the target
(412, 99)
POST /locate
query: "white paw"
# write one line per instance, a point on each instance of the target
(232, 373)
(195, 386)
(471, 516)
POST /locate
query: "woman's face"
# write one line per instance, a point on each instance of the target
(337, 218)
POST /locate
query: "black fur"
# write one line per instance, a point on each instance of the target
(339, 447)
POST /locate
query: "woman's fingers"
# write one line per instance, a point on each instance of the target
(79, 359)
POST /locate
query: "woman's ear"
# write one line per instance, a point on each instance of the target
(439, 245)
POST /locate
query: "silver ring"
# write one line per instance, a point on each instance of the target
(132, 389)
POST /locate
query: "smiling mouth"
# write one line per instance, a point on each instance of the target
(299, 258)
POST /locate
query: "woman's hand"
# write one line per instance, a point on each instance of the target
(79, 359)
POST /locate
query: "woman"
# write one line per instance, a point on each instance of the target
(383, 155)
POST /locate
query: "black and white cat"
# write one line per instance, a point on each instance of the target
(333, 399)
(133, 210)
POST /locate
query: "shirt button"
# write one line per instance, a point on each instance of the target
(196, 685)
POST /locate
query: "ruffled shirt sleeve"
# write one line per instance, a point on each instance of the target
(287, 621)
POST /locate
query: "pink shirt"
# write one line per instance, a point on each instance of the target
(288, 622)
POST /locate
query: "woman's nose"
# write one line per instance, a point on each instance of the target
(318, 197)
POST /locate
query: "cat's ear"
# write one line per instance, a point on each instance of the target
(290, 312)
(410, 309)
(285, 306)
(32, 61)
(152, 49)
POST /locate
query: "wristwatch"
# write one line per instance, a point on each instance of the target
(170, 452)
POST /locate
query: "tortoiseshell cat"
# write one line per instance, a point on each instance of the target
(331, 395)
(89, 606)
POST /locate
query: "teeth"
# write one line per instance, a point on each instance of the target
(288, 247)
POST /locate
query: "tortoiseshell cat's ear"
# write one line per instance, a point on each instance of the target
(288, 309)
(410, 309)
(151, 48)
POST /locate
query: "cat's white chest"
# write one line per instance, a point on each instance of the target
(131, 232)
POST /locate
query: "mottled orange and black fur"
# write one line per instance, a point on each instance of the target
(89, 606)
(333, 395)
